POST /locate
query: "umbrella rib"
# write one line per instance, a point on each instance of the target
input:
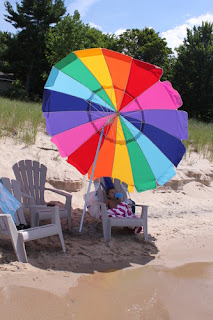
(138, 102)
(99, 130)
(112, 87)
(117, 132)
(93, 93)
(97, 109)
(151, 125)
(92, 123)
(127, 81)
(139, 132)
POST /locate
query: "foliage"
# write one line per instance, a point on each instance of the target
(4, 40)
(17, 91)
(32, 20)
(193, 72)
(200, 138)
(71, 34)
(66, 36)
(145, 45)
(45, 35)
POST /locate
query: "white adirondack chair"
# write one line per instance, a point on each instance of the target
(32, 177)
(107, 222)
(8, 229)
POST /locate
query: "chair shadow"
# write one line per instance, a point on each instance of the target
(87, 251)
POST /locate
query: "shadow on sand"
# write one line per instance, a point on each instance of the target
(86, 251)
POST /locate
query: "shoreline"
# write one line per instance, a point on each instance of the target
(172, 251)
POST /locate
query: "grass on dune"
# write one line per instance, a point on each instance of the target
(200, 138)
(22, 120)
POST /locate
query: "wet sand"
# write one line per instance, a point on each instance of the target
(148, 292)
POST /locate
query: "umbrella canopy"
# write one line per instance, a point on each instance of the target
(96, 90)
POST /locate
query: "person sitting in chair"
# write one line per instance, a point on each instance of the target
(118, 208)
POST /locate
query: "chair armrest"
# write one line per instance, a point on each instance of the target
(140, 205)
(39, 206)
(62, 193)
(30, 198)
(104, 211)
(68, 204)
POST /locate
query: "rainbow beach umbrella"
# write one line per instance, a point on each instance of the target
(110, 115)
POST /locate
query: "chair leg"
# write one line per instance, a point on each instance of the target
(57, 221)
(62, 240)
(69, 221)
(68, 208)
(19, 248)
(145, 224)
(21, 251)
(17, 241)
(106, 230)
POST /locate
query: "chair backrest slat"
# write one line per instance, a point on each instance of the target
(36, 172)
(32, 176)
(6, 183)
(23, 173)
(29, 171)
(43, 175)
(101, 190)
(18, 176)
(118, 187)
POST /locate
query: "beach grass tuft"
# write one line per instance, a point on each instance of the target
(20, 120)
(200, 138)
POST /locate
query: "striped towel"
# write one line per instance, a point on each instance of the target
(123, 210)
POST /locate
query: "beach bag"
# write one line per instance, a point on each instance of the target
(93, 206)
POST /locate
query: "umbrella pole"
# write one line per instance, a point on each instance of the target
(92, 174)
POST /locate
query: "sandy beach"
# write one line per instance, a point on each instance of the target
(164, 278)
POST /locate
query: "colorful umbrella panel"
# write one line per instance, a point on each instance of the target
(95, 89)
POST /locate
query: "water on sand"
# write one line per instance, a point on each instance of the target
(150, 292)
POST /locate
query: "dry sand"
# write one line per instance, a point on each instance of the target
(177, 257)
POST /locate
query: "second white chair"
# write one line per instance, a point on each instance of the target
(8, 229)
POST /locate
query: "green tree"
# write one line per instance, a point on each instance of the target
(145, 45)
(5, 38)
(94, 38)
(193, 72)
(32, 19)
(71, 34)
(66, 36)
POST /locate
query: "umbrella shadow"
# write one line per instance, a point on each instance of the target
(87, 251)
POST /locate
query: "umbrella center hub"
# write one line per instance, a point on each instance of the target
(117, 113)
